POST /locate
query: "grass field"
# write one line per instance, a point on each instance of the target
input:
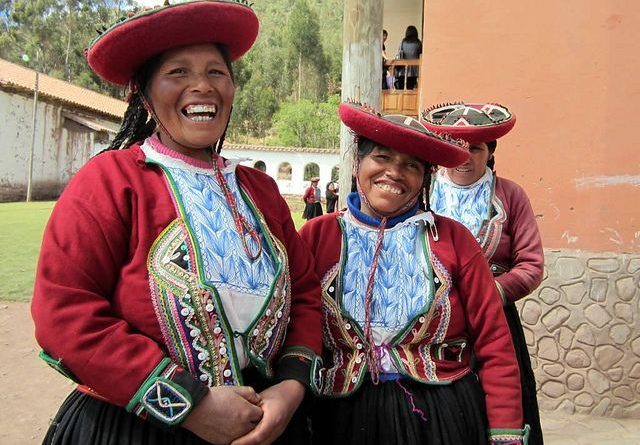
(21, 227)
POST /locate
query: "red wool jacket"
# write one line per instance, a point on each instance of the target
(92, 306)
(472, 311)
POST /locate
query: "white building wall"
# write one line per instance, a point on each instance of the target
(273, 158)
(58, 152)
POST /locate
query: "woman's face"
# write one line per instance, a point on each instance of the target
(192, 92)
(390, 180)
(474, 168)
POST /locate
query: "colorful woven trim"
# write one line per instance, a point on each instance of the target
(163, 398)
(193, 325)
(499, 436)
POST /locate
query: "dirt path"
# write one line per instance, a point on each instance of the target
(31, 391)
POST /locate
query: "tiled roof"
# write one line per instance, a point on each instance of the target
(230, 146)
(21, 78)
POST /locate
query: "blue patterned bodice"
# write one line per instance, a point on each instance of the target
(469, 205)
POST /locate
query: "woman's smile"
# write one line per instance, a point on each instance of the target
(192, 92)
(389, 180)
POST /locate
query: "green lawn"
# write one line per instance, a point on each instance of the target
(21, 227)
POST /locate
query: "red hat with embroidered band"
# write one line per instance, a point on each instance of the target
(473, 122)
(404, 134)
(123, 48)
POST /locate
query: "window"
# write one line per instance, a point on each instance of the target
(284, 171)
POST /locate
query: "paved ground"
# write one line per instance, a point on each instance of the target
(564, 429)
(31, 393)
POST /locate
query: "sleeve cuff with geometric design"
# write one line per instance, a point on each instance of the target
(509, 436)
(301, 364)
(167, 396)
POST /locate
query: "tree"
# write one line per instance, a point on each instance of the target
(308, 124)
(54, 34)
(305, 49)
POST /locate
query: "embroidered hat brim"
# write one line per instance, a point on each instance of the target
(403, 134)
(472, 122)
(121, 50)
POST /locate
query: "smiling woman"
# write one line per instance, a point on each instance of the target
(407, 299)
(172, 285)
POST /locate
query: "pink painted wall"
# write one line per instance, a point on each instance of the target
(570, 70)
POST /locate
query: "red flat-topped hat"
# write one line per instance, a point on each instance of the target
(122, 49)
(404, 134)
(473, 122)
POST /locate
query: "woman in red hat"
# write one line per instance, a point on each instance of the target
(498, 213)
(168, 274)
(407, 297)
(311, 197)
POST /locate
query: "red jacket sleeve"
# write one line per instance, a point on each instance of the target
(85, 244)
(527, 255)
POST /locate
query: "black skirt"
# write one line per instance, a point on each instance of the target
(530, 410)
(312, 210)
(404, 412)
(83, 420)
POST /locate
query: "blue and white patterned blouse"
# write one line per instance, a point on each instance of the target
(402, 285)
(242, 284)
(467, 204)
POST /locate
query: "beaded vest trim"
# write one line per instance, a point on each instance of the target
(192, 319)
(412, 349)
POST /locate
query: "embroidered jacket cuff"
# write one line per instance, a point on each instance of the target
(303, 365)
(168, 395)
(509, 436)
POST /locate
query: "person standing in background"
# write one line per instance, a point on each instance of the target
(331, 195)
(498, 213)
(311, 197)
(410, 48)
(385, 68)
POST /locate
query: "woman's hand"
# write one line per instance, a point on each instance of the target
(279, 403)
(225, 413)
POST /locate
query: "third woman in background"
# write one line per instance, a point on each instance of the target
(499, 215)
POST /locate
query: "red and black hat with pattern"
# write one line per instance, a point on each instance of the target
(404, 134)
(123, 48)
(472, 122)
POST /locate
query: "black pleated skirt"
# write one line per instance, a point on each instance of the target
(530, 410)
(85, 420)
(312, 210)
(404, 412)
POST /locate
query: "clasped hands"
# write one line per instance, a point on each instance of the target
(237, 415)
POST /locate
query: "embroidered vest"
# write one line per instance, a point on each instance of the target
(192, 318)
(418, 350)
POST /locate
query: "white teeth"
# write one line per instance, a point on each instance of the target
(390, 189)
(200, 118)
(201, 109)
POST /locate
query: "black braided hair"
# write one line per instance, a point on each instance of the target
(137, 124)
(491, 145)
